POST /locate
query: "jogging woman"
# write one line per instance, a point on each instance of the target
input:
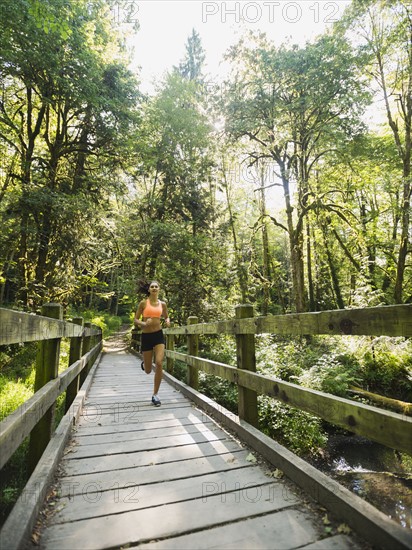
(147, 317)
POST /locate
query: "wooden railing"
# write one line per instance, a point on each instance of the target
(388, 428)
(35, 417)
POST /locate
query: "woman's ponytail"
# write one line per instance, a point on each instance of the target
(144, 287)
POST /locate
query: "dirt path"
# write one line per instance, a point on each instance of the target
(118, 341)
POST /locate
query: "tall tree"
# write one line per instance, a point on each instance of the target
(229, 182)
(384, 29)
(294, 114)
(69, 106)
(177, 208)
(191, 67)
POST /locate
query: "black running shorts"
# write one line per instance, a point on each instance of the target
(152, 339)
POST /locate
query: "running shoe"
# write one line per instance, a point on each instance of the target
(156, 401)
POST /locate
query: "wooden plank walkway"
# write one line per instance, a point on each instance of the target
(134, 475)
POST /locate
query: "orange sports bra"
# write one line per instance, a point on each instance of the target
(152, 311)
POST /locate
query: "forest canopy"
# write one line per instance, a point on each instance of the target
(271, 187)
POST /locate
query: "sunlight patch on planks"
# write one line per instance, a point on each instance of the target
(166, 477)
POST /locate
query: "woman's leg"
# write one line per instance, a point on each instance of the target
(147, 359)
(159, 352)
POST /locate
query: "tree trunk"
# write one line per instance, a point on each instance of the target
(312, 302)
(240, 269)
(33, 131)
(296, 251)
(405, 228)
(404, 149)
(333, 270)
(265, 246)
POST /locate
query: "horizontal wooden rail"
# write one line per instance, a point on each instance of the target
(374, 321)
(18, 425)
(18, 327)
(385, 427)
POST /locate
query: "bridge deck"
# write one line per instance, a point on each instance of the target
(168, 477)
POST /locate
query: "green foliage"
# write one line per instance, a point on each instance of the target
(48, 21)
(300, 432)
(192, 66)
(16, 359)
(220, 348)
(16, 377)
(332, 364)
(281, 357)
(107, 322)
(332, 373)
(64, 354)
(221, 391)
(406, 461)
(14, 393)
(387, 368)
(328, 364)
(180, 370)
(67, 72)
(13, 479)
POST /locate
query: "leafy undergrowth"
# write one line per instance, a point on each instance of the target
(328, 364)
(109, 323)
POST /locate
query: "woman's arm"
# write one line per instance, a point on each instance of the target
(165, 314)
(137, 321)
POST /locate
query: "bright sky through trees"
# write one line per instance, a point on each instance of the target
(165, 25)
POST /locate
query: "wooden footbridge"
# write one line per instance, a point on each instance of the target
(120, 473)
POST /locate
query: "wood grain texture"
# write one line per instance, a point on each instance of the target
(374, 321)
(131, 476)
(18, 327)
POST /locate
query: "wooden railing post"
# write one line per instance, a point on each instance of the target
(170, 345)
(96, 339)
(87, 344)
(192, 349)
(76, 344)
(47, 368)
(246, 359)
(93, 341)
(100, 338)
